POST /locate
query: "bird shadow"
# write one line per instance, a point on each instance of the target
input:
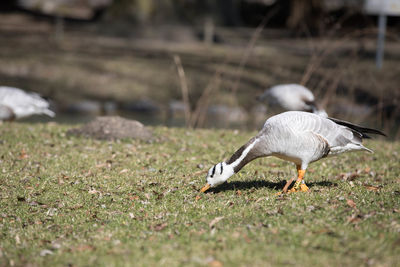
(256, 184)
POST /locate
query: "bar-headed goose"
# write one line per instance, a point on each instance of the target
(286, 97)
(299, 137)
(16, 103)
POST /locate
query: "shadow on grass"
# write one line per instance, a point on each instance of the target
(246, 185)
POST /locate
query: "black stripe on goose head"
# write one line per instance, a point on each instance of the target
(213, 171)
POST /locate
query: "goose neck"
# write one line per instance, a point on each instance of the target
(244, 155)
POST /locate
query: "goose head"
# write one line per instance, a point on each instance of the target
(217, 175)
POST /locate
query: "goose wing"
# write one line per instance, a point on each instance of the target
(341, 136)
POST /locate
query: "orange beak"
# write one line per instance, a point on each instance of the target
(205, 188)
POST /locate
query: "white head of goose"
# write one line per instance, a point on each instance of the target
(299, 137)
(291, 97)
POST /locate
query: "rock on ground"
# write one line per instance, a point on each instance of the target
(112, 128)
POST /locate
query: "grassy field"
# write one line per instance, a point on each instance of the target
(73, 201)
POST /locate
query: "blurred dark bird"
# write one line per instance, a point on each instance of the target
(16, 103)
(290, 97)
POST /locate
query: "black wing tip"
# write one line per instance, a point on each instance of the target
(374, 131)
(360, 129)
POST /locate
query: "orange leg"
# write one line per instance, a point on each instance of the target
(299, 185)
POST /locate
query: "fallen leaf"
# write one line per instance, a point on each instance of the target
(349, 176)
(101, 165)
(55, 245)
(159, 227)
(351, 203)
(310, 208)
(158, 195)
(82, 248)
(123, 171)
(215, 263)
(17, 240)
(238, 192)
(246, 238)
(355, 218)
(198, 197)
(51, 212)
(199, 172)
(323, 231)
(135, 197)
(261, 198)
(236, 234)
(45, 252)
(76, 207)
(93, 191)
(274, 230)
(214, 221)
(372, 188)
(23, 154)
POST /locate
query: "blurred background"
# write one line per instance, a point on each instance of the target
(200, 63)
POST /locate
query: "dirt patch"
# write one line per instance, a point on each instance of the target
(112, 128)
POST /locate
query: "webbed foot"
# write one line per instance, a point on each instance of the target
(301, 188)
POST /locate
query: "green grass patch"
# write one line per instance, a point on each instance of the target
(73, 201)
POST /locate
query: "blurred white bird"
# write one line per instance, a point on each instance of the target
(290, 97)
(16, 103)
